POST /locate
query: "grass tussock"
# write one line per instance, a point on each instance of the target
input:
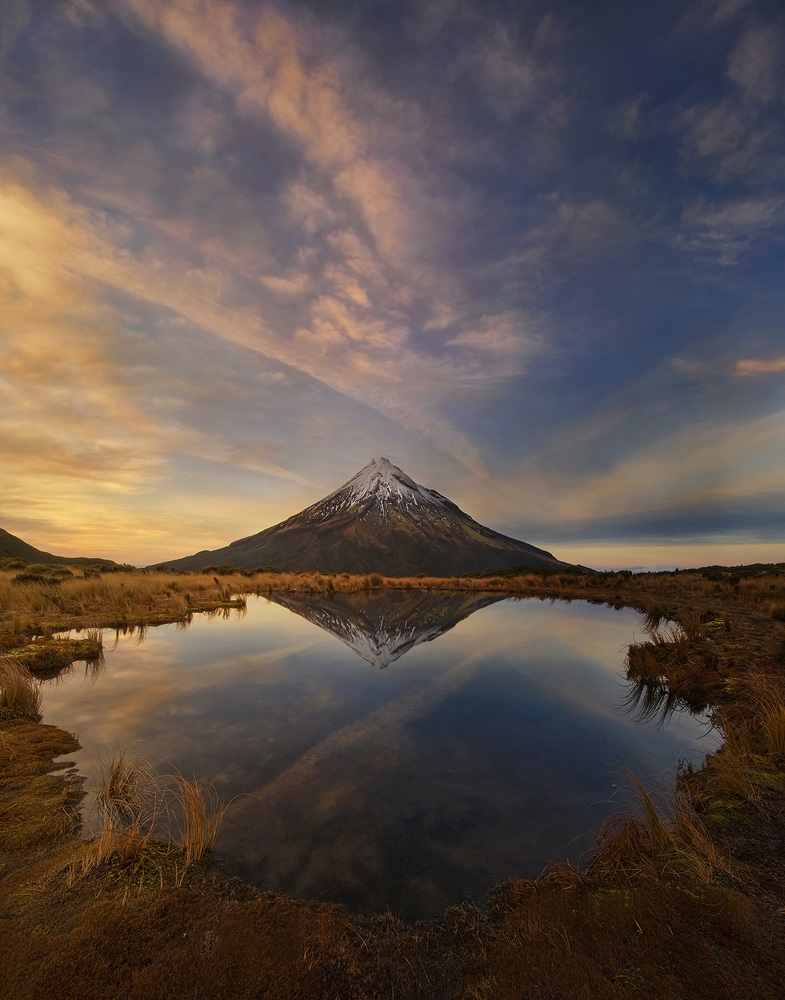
(137, 805)
(770, 711)
(201, 812)
(657, 834)
(729, 771)
(128, 803)
(643, 664)
(124, 786)
(20, 693)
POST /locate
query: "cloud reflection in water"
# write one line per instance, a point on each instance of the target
(471, 758)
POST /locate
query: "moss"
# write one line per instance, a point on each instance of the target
(47, 658)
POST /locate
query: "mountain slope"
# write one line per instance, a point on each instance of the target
(12, 547)
(379, 521)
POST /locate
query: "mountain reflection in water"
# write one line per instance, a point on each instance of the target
(381, 626)
(474, 758)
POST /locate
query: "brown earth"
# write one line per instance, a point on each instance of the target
(657, 931)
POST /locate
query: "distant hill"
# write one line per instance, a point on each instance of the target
(12, 547)
(380, 521)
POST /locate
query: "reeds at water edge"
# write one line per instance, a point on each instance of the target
(20, 692)
(201, 813)
(138, 805)
(657, 834)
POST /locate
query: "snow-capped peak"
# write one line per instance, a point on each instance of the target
(385, 484)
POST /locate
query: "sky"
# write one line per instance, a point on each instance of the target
(532, 252)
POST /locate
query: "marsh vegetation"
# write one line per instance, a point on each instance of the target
(683, 895)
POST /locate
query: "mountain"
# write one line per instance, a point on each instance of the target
(380, 521)
(382, 626)
(12, 547)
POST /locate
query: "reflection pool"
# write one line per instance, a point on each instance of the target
(401, 750)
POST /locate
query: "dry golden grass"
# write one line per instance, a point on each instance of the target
(200, 813)
(125, 787)
(136, 804)
(658, 834)
(124, 595)
(20, 693)
(129, 805)
(771, 713)
(729, 771)
(758, 712)
(643, 663)
(94, 599)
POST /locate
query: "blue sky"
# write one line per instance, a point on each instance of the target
(532, 253)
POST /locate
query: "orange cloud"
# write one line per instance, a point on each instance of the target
(68, 409)
(757, 366)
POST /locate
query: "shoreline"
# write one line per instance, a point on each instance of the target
(580, 933)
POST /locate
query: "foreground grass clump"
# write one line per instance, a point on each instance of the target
(658, 835)
(124, 787)
(137, 804)
(201, 812)
(20, 694)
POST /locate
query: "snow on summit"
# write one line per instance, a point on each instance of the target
(383, 483)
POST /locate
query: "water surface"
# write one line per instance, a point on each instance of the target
(401, 750)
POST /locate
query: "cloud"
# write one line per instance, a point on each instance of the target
(506, 336)
(69, 407)
(699, 371)
(695, 469)
(736, 142)
(732, 229)
(724, 10)
(296, 285)
(323, 276)
(365, 359)
(628, 120)
(510, 78)
(738, 139)
(264, 69)
(760, 366)
(705, 15)
(712, 373)
(756, 64)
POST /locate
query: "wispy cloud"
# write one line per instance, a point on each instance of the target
(735, 143)
(70, 407)
(760, 366)
(370, 229)
(695, 472)
(756, 64)
(731, 230)
(257, 243)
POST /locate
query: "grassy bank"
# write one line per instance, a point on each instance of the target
(684, 895)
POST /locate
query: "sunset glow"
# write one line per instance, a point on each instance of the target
(534, 258)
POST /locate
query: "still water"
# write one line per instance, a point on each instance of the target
(401, 750)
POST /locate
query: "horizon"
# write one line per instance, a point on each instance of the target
(535, 258)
